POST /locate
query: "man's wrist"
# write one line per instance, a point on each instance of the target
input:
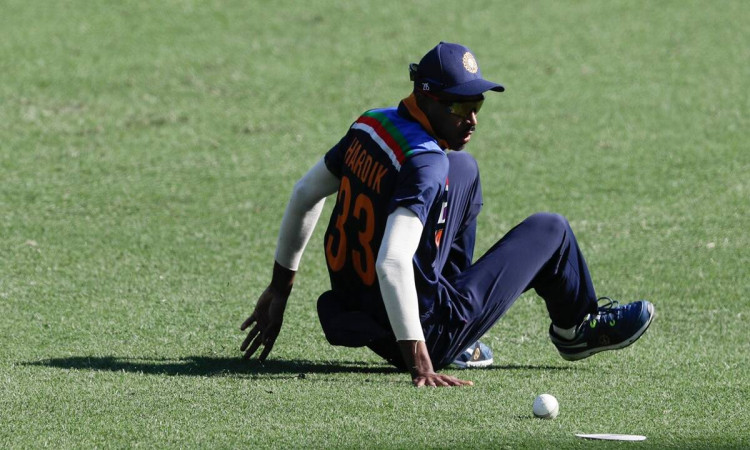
(282, 279)
(416, 357)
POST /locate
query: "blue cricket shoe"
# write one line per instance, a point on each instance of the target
(612, 328)
(477, 355)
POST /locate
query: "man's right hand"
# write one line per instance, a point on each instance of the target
(269, 314)
(268, 318)
(418, 361)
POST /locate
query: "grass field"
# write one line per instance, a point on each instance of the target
(147, 150)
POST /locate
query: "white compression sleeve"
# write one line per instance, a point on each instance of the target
(302, 213)
(403, 231)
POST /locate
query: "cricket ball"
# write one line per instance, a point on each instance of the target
(546, 407)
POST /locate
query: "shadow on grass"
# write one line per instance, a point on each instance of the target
(528, 367)
(206, 366)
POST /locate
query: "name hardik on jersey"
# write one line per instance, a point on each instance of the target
(386, 160)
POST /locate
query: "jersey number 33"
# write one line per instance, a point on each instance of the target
(362, 255)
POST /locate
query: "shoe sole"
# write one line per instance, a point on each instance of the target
(623, 344)
(478, 364)
(472, 364)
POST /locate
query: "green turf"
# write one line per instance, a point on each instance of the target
(147, 150)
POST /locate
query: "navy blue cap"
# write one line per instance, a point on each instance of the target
(452, 69)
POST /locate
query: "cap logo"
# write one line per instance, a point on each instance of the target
(425, 86)
(470, 64)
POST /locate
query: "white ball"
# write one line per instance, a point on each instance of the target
(546, 407)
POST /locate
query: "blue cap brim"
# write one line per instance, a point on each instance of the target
(474, 87)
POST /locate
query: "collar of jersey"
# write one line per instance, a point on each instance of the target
(417, 114)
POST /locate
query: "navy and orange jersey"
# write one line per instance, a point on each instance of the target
(385, 161)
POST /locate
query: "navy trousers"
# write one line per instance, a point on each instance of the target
(540, 253)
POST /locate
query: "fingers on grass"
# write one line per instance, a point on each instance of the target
(253, 347)
(247, 322)
(266, 350)
(250, 335)
(445, 381)
(458, 382)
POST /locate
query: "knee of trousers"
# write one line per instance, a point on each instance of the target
(328, 308)
(345, 326)
(549, 225)
(463, 163)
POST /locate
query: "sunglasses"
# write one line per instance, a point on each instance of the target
(462, 109)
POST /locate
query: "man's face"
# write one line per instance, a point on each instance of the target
(454, 118)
